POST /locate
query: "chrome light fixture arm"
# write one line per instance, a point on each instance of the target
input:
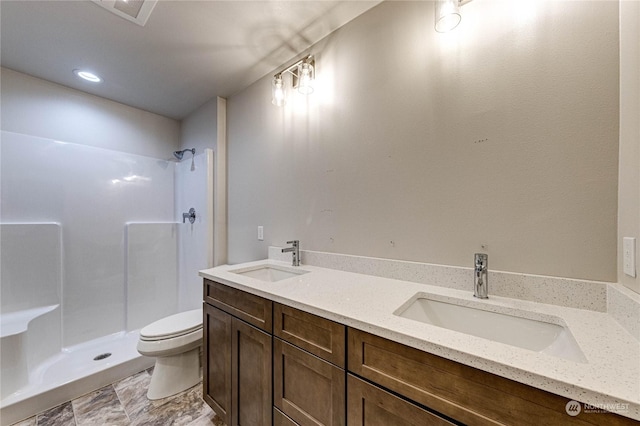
(294, 69)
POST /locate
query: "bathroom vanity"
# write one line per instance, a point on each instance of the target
(282, 349)
(241, 345)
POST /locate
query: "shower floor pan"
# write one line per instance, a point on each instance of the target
(73, 373)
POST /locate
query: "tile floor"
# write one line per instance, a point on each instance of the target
(125, 403)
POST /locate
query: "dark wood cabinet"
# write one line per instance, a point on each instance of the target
(307, 389)
(266, 363)
(216, 354)
(319, 336)
(371, 406)
(457, 391)
(281, 419)
(251, 380)
(248, 307)
(237, 374)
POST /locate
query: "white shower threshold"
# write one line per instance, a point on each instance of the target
(73, 373)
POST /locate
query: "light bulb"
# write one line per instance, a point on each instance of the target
(305, 78)
(87, 75)
(447, 15)
(277, 91)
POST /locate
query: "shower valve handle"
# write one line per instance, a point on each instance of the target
(191, 215)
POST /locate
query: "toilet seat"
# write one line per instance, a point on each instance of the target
(175, 343)
(173, 326)
(172, 335)
(170, 347)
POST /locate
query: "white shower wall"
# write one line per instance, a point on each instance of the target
(91, 192)
(152, 272)
(194, 188)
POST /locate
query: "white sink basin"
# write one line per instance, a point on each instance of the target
(269, 273)
(546, 335)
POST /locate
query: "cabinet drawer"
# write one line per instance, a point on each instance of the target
(248, 307)
(371, 406)
(458, 391)
(321, 337)
(280, 419)
(309, 390)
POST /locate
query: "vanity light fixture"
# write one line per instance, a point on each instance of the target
(88, 76)
(303, 76)
(448, 14)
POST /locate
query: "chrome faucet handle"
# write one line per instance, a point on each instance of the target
(191, 215)
(294, 242)
(481, 261)
(481, 279)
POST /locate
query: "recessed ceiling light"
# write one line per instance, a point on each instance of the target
(87, 75)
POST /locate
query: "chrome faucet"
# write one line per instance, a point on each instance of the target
(295, 249)
(480, 276)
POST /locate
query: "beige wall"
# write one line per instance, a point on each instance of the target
(629, 186)
(37, 107)
(200, 128)
(427, 147)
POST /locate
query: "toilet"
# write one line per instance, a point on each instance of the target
(175, 342)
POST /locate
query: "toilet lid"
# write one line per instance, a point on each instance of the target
(173, 326)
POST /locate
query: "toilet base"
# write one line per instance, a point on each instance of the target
(174, 374)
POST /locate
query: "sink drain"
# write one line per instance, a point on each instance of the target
(102, 356)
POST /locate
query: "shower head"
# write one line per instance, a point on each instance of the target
(180, 154)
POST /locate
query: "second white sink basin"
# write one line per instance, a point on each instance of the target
(269, 273)
(548, 335)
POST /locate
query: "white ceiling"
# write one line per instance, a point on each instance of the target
(187, 53)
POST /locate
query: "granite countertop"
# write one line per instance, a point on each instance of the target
(610, 378)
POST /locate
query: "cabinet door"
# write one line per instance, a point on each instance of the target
(217, 361)
(251, 381)
(368, 405)
(306, 388)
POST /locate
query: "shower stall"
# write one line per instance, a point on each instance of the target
(93, 248)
